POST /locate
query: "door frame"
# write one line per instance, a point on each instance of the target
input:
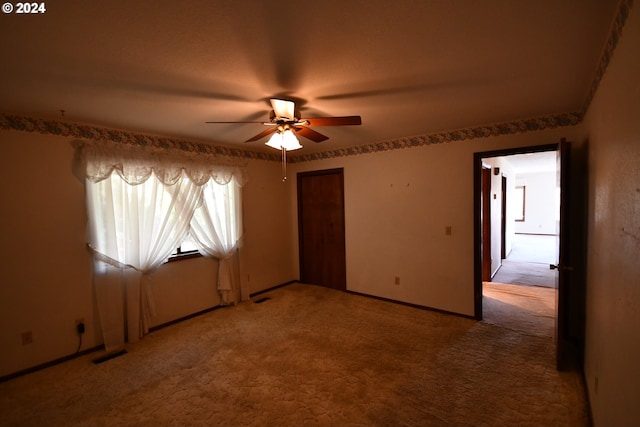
(477, 207)
(503, 220)
(485, 221)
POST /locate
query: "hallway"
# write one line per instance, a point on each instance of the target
(528, 262)
(522, 294)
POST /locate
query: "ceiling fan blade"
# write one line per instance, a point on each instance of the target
(310, 134)
(234, 122)
(262, 134)
(334, 121)
(284, 109)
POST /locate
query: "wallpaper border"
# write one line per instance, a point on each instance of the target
(84, 131)
(96, 133)
(484, 131)
(612, 42)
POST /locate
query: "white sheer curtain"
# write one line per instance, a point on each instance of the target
(216, 228)
(140, 202)
(137, 227)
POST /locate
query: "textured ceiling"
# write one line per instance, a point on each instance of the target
(407, 67)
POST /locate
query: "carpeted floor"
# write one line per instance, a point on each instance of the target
(310, 356)
(528, 262)
(527, 309)
(538, 248)
(525, 273)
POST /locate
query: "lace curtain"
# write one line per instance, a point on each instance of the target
(98, 160)
(216, 229)
(141, 203)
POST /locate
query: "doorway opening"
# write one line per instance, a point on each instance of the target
(517, 238)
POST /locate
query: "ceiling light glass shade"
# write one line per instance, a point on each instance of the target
(282, 108)
(286, 140)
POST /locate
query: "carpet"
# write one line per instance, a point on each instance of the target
(526, 309)
(525, 273)
(309, 356)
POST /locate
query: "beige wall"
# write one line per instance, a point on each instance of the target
(613, 276)
(44, 263)
(397, 205)
(46, 281)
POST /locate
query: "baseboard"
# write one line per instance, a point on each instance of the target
(208, 310)
(282, 285)
(408, 304)
(420, 307)
(183, 318)
(50, 363)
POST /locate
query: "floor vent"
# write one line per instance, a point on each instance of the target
(109, 356)
(261, 300)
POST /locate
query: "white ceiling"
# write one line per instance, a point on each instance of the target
(533, 162)
(407, 67)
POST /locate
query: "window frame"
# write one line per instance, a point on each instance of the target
(522, 217)
(180, 255)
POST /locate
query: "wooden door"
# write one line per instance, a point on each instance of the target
(321, 228)
(572, 254)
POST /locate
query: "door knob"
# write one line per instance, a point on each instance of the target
(560, 267)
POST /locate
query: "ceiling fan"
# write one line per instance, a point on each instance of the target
(285, 121)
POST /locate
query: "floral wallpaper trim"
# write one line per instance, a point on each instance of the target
(60, 128)
(616, 31)
(506, 128)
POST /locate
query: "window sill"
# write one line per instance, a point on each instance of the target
(181, 257)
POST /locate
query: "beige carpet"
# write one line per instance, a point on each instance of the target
(526, 273)
(528, 309)
(309, 356)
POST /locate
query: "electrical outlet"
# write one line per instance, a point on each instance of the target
(27, 337)
(447, 230)
(80, 326)
(397, 280)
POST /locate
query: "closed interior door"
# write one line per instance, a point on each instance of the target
(321, 228)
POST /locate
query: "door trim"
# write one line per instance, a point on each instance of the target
(503, 221)
(485, 220)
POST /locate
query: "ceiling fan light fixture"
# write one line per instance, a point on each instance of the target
(283, 109)
(286, 140)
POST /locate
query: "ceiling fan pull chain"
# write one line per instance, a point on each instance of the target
(284, 164)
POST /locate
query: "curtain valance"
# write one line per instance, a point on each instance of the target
(97, 160)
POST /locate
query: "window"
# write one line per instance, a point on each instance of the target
(519, 202)
(187, 249)
(141, 203)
